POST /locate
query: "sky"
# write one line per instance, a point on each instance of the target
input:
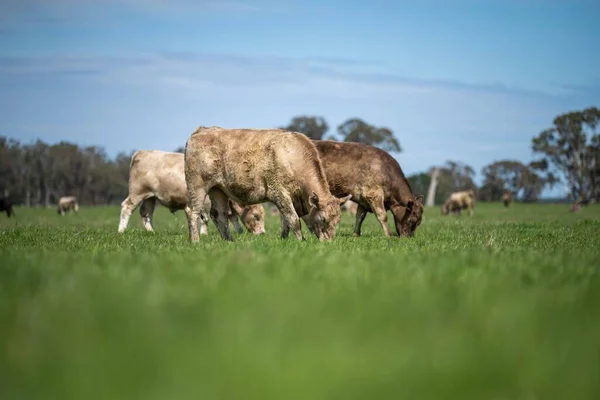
(464, 80)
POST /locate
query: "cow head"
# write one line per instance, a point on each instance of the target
(444, 210)
(412, 217)
(324, 216)
(253, 218)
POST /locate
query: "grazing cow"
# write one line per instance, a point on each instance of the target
(66, 204)
(252, 166)
(575, 207)
(458, 201)
(159, 176)
(507, 198)
(375, 181)
(6, 206)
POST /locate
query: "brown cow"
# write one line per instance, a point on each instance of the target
(159, 176)
(66, 204)
(458, 201)
(375, 181)
(252, 166)
(507, 198)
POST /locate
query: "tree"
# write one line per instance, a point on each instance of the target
(419, 182)
(357, 130)
(39, 173)
(433, 175)
(180, 149)
(312, 126)
(514, 176)
(571, 151)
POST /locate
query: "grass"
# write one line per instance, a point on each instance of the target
(503, 305)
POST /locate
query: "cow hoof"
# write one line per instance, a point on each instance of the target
(356, 234)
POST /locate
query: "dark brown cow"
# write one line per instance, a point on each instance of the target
(252, 166)
(375, 181)
(6, 206)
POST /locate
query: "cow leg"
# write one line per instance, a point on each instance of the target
(398, 213)
(309, 226)
(289, 218)
(203, 227)
(381, 214)
(147, 211)
(361, 213)
(195, 211)
(285, 228)
(127, 207)
(218, 212)
(234, 219)
(189, 216)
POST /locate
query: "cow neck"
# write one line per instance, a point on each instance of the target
(405, 194)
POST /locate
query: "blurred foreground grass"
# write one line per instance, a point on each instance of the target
(503, 305)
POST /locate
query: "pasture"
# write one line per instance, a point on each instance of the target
(503, 305)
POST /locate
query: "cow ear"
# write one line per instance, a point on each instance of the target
(419, 199)
(314, 200)
(345, 199)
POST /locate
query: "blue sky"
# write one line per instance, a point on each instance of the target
(465, 80)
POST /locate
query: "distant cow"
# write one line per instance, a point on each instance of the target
(576, 207)
(159, 176)
(375, 181)
(66, 204)
(351, 207)
(252, 166)
(459, 201)
(507, 198)
(6, 206)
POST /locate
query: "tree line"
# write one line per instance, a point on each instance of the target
(39, 174)
(569, 152)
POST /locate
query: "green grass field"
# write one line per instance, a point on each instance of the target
(503, 305)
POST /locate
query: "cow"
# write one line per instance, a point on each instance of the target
(576, 207)
(458, 201)
(251, 166)
(507, 198)
(66, 204)
(375, 182)
(156, 175)
(6, 206)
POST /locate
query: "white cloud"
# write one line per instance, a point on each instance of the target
(156, 100)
